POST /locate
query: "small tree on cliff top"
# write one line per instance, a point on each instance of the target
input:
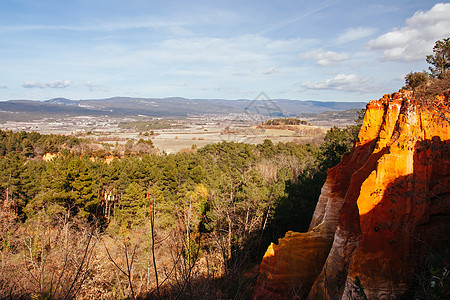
(440, 59)
(427, 88)
(415, 79)
(440, 65)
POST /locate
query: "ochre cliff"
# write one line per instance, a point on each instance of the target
(380, 210)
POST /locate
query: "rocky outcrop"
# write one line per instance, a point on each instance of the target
(49, 156)
(381, 209)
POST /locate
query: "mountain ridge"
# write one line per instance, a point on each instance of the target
(174, 106)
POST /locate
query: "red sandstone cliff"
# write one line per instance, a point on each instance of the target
(380, 210)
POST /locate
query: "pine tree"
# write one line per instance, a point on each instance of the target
(440, 59)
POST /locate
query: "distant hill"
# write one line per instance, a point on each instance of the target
(174, 107)
(62, 101)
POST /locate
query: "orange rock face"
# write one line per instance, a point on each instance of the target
(378, 212)
(291, 267)
(49, 156)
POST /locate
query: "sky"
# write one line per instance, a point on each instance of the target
(342, 50)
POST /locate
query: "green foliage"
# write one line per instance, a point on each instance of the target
(66, 183)
(415, 79)
(18, 180)
(83, 183)
(27, 147)
(148, 125)
(440, 60)
(338, 142)
(286, 121)
(241, 173)
(297, 198)
(32, 144)
(230, 199)
(360, 116)
(133, 208)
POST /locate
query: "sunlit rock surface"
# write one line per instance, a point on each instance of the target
(380, 210)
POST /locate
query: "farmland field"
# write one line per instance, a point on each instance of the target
(176, 135)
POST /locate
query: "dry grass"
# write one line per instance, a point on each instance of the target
(63, 259)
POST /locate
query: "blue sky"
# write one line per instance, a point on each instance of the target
(343, 50)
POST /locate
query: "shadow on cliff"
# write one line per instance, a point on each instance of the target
(387, 245)
(293, 212)
(405, 238)
(298, 273)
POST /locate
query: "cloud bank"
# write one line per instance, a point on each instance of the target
(415, 40)
(341, 82)
(354, 34)
(56, 84)
(324, 58)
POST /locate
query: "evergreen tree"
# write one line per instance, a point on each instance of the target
(133, 207)
(440, 60)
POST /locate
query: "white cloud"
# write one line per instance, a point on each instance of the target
(354, 34)
(238, 50)
(56, 84)
(95, 87)
(3, 87)
(341, 82)
(32, 85)
(324, 58)
(269, 71)
(415, 40)
(206, 56)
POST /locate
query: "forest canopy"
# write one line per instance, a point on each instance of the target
(223, 203)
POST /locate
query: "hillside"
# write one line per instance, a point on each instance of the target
(173, 107)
